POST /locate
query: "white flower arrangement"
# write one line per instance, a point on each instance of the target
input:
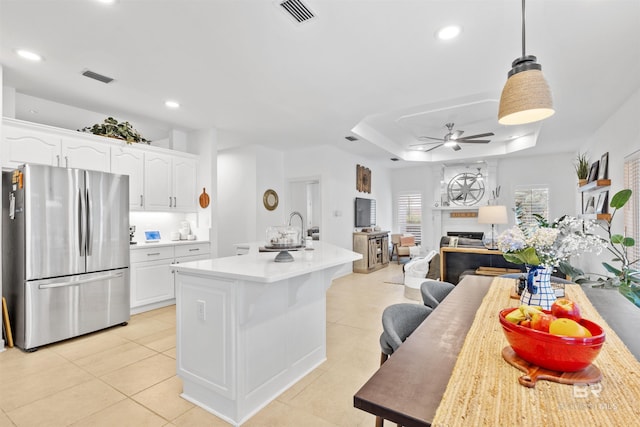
(549, 245)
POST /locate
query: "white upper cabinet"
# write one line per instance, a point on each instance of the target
(157, 182)
(20, 146)
(159, 179)
(26, 145)
(84, 154)
(169, 182)
(184, 184)
(129, 161)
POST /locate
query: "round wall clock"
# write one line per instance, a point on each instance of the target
(465, 189)
(270, 199)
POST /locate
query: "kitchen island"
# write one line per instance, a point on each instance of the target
(248, 328)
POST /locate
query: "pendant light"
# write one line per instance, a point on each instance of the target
(526, 96)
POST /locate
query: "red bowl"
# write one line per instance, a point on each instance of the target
(558, 353)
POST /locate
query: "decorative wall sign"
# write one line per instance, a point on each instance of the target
(463, 214)
(465, 189)
(363, 179)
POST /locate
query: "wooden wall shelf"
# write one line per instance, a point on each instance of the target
(594, 185)
(601, 216)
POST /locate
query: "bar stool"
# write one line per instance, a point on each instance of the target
(398, 322)
(434, 291)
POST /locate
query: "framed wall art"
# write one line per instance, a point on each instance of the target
(593, 172)
(603, 169)
(601, 205)
(590, 206)
(363, 179)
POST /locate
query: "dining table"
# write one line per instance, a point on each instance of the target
(450, 371)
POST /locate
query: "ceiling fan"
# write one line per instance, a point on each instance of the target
(453, 138)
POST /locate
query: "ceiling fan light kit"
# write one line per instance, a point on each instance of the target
(526, 97)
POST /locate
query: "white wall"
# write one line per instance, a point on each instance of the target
(244, 174)
(554, 171)
(337, 172)
(620, 137)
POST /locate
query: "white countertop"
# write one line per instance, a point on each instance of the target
(261, 267)
(165, 242)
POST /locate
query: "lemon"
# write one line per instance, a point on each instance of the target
(568, 328)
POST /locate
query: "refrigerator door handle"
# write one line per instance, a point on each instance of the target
(81, 223)
(80, 281)
(89, 225)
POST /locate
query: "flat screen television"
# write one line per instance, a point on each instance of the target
(365, 212)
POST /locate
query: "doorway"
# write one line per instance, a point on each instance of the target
(305, 198)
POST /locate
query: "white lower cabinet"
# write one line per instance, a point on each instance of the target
(152, 281)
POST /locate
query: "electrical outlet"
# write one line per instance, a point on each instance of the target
(202, 309)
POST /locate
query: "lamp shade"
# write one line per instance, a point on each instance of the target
(525, 98)
(492, 215)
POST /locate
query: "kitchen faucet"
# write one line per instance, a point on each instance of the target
(302, 236)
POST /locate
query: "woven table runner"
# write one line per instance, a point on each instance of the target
(484, 391)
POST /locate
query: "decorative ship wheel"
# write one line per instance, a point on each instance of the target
(465, 189)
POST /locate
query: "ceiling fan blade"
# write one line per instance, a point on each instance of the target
(480, 135)
(433, 148)
(425, 143)
(479, 141)
(430, 137)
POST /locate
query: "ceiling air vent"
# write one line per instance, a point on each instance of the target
(96, 76)
(298, 10)
(350, 138)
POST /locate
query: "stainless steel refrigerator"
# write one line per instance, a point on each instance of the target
(65, 252)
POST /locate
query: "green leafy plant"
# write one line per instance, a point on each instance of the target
(626, 276)
(582, 166)
(112, 129)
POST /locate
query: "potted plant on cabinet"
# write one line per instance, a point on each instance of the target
(582, 168)
(112, 129)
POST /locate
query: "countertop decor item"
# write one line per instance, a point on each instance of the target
(112, 129)
(545, 246)
(204, 199)
(554, 352)
(270, 199)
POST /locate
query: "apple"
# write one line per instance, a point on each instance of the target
(526, 323)
(542, 321)
(565, 308)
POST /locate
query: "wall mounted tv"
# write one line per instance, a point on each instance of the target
(365, 212)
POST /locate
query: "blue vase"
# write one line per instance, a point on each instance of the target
(538, 290)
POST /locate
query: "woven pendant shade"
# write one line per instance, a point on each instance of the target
(526, 98)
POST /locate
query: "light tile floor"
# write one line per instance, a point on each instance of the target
(125, 376)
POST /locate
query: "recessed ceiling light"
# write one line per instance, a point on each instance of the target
(172, 104)
(449, 32)
(106, 1)
(26, 54)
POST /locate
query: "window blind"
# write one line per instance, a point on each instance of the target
(410, 214)
(530, 201)
(631, 209)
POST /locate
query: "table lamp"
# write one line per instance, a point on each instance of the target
(493, 214)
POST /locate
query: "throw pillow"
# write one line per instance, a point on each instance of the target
(434, 268)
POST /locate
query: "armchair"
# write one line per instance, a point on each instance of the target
(401, 244)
